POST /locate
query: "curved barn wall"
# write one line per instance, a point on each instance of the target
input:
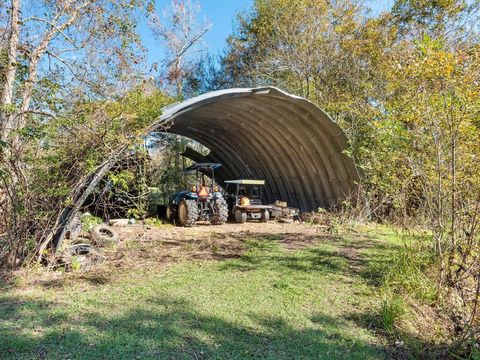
(265, 133)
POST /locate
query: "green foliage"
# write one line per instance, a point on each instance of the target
(153, 222)
(65, 149)
(154, 196)
(136, 213)
(165, 170)
(431, 15)
(75, 263)
(155, 199)
(121, 180)
(30, 245)
(474, 351)
(89, 221)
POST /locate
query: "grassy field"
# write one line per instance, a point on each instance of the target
(270, 294)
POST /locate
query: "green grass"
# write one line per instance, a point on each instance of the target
(270, 303)
(391, 311)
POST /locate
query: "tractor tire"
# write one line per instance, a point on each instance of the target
(168, 214)
(265, 216)
(221, 212)
(240, 216)
(187, 212)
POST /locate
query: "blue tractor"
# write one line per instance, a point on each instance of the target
(204, 201)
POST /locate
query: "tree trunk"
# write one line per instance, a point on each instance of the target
(11, 70)
(21, 117)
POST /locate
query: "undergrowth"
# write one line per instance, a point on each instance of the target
(392, 310)
(88, 221)
(409, 298)
(409, 273)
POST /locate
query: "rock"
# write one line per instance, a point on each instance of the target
(119, 222)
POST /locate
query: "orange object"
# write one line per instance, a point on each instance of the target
(203, 191)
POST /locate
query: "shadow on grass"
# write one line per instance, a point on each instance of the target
(169, 328)
(172, 329)
(360, 257)
(395, 346)
(314, 260)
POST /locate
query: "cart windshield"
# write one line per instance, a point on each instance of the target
(250, 191)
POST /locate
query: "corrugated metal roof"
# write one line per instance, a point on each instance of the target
(266, 133)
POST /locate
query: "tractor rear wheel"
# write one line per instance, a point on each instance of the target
(187, 212)
(240, 216)
(220, 209)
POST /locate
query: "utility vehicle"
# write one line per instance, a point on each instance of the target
(244, 199)
(202, 203)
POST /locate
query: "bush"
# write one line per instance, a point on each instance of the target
(89, 221)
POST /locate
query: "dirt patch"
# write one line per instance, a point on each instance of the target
(152, 248)
(352, 252)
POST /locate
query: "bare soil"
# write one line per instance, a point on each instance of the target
(155, 248)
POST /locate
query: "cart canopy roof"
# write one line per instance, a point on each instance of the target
(246, 181)
(203, 166)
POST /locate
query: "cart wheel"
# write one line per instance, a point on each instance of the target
(240, 216)
(265, 216)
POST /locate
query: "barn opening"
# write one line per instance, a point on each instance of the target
(265, 133)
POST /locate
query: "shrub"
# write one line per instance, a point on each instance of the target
(89, 221)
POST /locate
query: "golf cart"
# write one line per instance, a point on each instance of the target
(244, 199)
(202, 203)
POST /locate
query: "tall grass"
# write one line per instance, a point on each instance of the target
(408, 275)
(410, 272)
(391, 311)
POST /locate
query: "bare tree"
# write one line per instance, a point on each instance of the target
(180, 33)
(64, 36)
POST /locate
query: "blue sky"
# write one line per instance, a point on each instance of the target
(222, 14)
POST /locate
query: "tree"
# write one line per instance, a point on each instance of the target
(404, 87)
(328, 52)
(76, 40)
(341, 58)
(60, 57)
(435, 95)
(181, 35)
(434, 18)
(10, 71)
